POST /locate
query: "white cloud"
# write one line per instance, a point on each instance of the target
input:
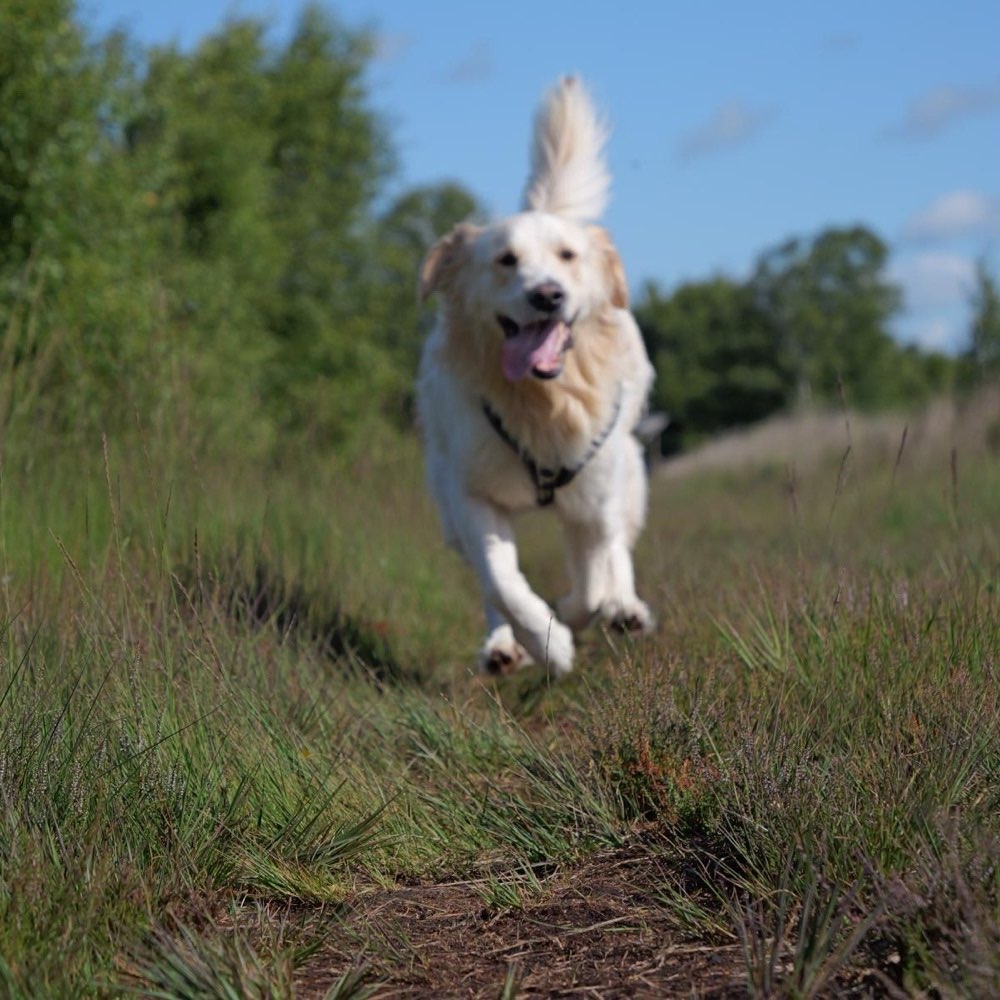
(935, 334)
(933, 280)
(475, 67)
(942, 107)
(732, 124)
(954, 215)
(388, 46)
(936, 290)
(842, 41)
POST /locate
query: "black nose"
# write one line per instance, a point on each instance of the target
(547, 297)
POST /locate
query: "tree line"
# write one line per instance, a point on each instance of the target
(202, 236)
(809, 327)
(203, 240)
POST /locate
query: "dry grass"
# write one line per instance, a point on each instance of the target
(809, 440)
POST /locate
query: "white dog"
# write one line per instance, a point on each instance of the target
(529, 389)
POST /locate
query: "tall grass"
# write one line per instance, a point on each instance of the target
(228, 686)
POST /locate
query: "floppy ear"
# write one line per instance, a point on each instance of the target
(614, 270)
(443, 259)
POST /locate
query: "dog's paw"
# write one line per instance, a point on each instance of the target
(502, 653)
(633, 618)
(558, 649)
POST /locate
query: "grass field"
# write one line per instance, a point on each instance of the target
(243, 753)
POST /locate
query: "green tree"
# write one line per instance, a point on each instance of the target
(717, 357)
(421, 215)
(981, 359)
(404, 234)
(330, 158)
(77, 316)
(919, 374)
(51, 89)
(830, 303)
(197, 230)
(264, 166)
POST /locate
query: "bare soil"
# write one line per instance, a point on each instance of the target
(592, 931)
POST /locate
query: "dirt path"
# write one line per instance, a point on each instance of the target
(591, 931)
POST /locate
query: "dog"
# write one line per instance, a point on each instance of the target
(529, 388)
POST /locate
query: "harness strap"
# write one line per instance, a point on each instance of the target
(545, 480)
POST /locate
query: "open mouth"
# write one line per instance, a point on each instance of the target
(534, 348)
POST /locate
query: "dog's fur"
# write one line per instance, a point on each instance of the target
(534, 324)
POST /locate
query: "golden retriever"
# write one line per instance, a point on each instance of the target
(529, 389)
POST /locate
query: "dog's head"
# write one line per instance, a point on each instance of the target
(526, 284)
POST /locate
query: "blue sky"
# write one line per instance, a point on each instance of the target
(735, 125)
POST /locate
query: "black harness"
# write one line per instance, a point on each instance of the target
(546, 480)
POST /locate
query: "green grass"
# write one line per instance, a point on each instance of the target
(228, 689)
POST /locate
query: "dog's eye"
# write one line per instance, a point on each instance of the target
(567, 254)
(508, 259)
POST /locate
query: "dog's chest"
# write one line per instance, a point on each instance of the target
(494, 472)
(503, 470)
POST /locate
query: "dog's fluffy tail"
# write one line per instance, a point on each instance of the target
(568, 174)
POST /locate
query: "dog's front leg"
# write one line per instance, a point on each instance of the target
(488, 544)
(602, 578)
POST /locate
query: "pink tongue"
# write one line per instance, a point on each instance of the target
(535, 346)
